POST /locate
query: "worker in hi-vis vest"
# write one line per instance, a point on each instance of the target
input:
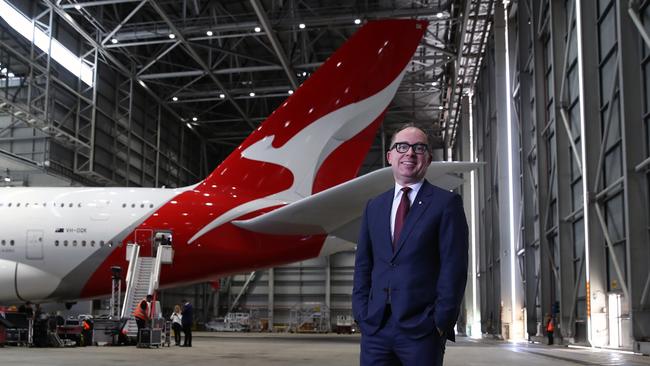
(142, 313)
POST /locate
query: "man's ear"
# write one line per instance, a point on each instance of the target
(388, 156)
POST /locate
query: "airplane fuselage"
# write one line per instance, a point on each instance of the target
(59, 243)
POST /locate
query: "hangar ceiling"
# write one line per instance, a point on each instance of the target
(223, 66)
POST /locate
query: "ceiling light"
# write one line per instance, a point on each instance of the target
(78, 7)
(7, 179)
(252, 94)
(435, 83)
(172, 36)
(114, 41)
(209, 33)
(441, 107)
(440, 15)
(304, 73)
(194, 119)
(222, 95)
(175, 99)
(357, 21)
(301, 25)
(188, 126)
(11, 74)
(258, 29)
(290, 92)
(142, 83)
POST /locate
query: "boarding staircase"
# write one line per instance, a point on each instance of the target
(142, 279)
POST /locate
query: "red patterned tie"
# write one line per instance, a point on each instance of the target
(400, 215)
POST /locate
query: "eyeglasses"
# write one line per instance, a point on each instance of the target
(403, 147)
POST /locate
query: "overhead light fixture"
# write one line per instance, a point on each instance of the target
(252, 94)
(175, 99)
(172, 36)
(301, 26)
(209, 33)
(440, 15)
(441, 107)
(222, 96)
(142, 83)
(357, 21)
(7, 179)
(188, 126)
(435, 83)
(290, 92)
(24, 26)
(194, 119)
(11, 74)
(78, 7)
(304, 73)
(258, 29)
(114, 41)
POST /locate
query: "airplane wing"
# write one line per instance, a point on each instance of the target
(337, 211)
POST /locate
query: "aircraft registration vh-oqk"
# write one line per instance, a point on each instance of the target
(287, 193)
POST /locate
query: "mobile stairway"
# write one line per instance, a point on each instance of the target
(142, 279)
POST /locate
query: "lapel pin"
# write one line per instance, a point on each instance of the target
(419, 202)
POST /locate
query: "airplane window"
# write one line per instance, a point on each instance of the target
(56, 243)
(74, 243)
(142, 205)
(78, 204)
(40, 239)
(44, 204)
(83, 243)
(123, 205)
(110, 244)
(151, 205)
(27, 204)
(92, 243)
(133, 205)
(101, 243)
(18, 204)
(1, 204)
(11, 242)
(65, 243)
(9, 204)
(69, 204)
(4, 242)
(62, 204)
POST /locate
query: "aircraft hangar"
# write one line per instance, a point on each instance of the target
(550, 97)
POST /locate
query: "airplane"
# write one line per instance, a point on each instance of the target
(287, 193)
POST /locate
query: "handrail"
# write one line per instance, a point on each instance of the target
(155, 274)
(130, 275)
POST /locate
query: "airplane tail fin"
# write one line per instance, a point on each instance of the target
(320, 135)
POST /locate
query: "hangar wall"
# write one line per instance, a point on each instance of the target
(578, 98)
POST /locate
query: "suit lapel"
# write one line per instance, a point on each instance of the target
(386, 206)
(422, 201)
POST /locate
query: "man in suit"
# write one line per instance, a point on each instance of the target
(411, 262)
(187, 318)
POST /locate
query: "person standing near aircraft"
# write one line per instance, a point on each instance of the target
(142, 313)
(411, 262)
(177, 324)
(187, 319)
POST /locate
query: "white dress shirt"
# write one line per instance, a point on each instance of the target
(415, 188)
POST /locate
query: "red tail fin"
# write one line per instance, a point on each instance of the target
(320, 135)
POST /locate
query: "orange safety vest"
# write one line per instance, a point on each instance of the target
(139, 313)
(550, 327)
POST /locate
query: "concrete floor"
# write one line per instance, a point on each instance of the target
(258, 349)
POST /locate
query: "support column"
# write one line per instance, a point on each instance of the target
(634, 183)
(595, 273)
(508, 181)
(271, 301)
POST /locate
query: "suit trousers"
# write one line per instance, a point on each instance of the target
(390, 346)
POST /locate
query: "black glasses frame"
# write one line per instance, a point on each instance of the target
(403, 147)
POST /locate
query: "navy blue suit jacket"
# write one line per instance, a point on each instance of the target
(425, 276)
(187, 315)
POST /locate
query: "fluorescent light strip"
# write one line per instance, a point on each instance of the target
(25, 27)
(511, 195)
(585, 189)
(474, 237)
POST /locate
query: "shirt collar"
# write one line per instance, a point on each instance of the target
(415, 187)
